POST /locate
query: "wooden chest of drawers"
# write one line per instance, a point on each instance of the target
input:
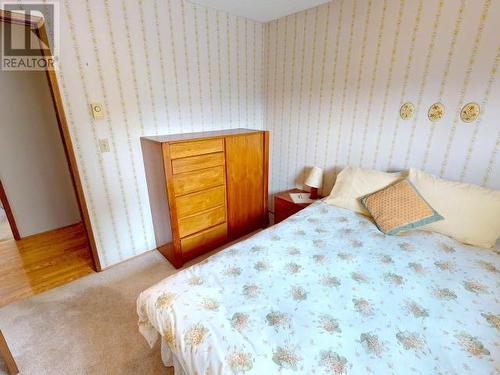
(205, 189)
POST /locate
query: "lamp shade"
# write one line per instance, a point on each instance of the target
(315, 178)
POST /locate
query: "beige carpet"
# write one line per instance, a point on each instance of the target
(88, 326)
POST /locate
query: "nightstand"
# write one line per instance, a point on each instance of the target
(284, 206)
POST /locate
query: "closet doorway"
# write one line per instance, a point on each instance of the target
(50, 240)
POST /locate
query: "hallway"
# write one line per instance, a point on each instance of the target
(42, 261)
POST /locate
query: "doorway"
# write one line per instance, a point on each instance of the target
(8, 227)
(45, 234)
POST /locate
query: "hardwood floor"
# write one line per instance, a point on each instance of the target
(43, 261)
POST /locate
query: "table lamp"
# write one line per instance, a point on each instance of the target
(314, 181)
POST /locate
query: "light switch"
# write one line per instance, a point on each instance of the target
(97, 110)
(104, 145)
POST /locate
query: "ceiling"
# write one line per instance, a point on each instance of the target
(261, 10)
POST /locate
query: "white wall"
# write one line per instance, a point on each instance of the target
(159, 67)
(33, 167)
(338, 74)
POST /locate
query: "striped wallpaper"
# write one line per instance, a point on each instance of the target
(327, 83)
(158, 66)
(338, 74)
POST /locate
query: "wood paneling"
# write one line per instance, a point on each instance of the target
(203, 220)
(245, 183)
(195, 163)
(207, 239)
(203, 200)
(184, 149)
(43, 261)
(190, 182)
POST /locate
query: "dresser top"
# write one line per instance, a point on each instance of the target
(189, 136)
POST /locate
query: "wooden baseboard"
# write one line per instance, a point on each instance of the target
(32, 236)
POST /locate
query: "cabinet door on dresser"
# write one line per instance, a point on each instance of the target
(246, 168)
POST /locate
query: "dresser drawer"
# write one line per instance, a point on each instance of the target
(203, 200)
(208, 239)
(194, 163)
(195, 223)
(190, 182)
(184, 149)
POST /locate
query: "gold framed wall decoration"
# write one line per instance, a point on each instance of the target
(436, 112)
(406, 111)
(470, 112)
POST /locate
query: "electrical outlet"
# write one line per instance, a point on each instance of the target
(103, 145)
(97, 110)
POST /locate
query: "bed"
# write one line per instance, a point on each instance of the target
(324, 292)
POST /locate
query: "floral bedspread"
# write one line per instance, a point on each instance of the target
(325, 292)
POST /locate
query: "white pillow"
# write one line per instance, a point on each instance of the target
(471, 213)
(352, 183)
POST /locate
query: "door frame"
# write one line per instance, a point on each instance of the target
(8, 213)
(37, 24)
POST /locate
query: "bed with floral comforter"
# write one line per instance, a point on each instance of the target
(325, 292)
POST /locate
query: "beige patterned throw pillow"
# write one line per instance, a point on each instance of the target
(399, 207)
